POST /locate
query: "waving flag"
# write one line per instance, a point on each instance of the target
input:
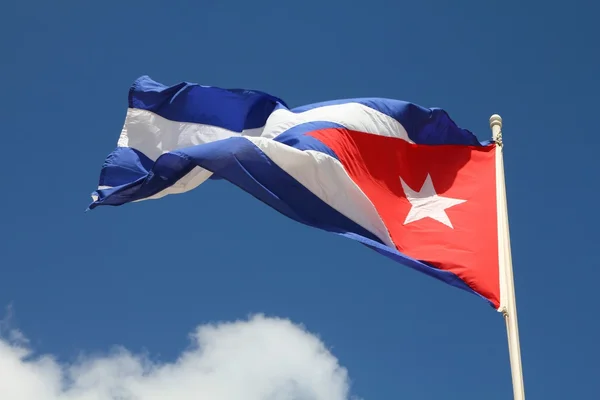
(399, 178)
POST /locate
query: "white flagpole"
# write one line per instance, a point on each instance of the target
(508, 305)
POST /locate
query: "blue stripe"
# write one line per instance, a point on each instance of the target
(232, 109)
(296, 137)
(431, 126)
(124, 165)
(242, 163)
(239, 109)
(421, 266)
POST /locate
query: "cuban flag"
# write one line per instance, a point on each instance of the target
(402, 179)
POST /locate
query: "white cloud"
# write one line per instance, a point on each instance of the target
(256, 359)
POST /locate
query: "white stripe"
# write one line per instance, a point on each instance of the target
(154, 135)
(327, 179)
(353, 116)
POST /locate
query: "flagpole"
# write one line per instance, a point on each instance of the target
(508, 304)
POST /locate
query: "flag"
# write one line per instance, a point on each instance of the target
(400, 178)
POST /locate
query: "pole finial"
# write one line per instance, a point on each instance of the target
(496, 125)
(495, 120)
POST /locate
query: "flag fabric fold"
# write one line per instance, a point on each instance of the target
(402, 179)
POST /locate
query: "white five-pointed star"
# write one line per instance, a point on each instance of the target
(426, 203)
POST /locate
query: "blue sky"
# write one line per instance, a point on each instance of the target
(145, 275)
